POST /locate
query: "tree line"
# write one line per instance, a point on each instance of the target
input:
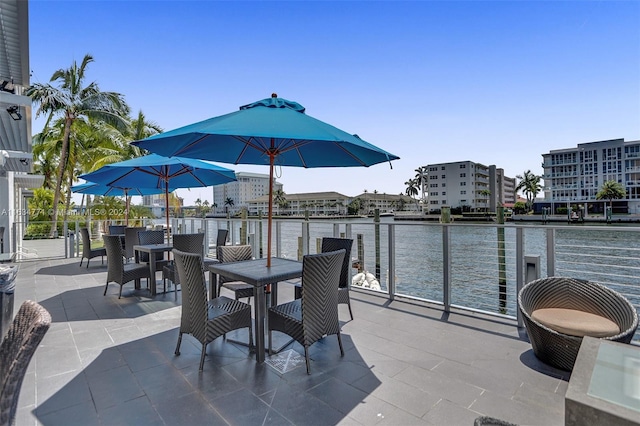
(85, 129)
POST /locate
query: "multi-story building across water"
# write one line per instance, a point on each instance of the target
(246, 188)
(573, 176)
(333, 203)
(469, 186)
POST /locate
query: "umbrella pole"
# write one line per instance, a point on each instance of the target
(166, 207)
(126, 206)
(271, 157)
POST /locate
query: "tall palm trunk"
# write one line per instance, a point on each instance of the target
(64, 153)
(67, 203)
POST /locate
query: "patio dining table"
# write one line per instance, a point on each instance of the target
(153, 250)
(256, 273)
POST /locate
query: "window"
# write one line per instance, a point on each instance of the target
(463, 183)
(442, 168)
(444, 184)
(433, 185)
(435, 202)
(463, 175)
(433, 169)
(463, 192)
(444, 193)
(431, 194)
(463, 166)
(431, 177)
(444, 176)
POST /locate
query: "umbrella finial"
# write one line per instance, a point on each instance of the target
(274, 95)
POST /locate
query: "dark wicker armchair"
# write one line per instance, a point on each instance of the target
(206, 320)
(118, 271)
(228, 254)
(87, 252)
(315, 314)
(25, 334)
(558, 349)
(333, 244)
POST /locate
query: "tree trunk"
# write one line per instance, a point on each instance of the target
(64, 152)
(67, 204)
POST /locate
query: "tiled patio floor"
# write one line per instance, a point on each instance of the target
(108, 361)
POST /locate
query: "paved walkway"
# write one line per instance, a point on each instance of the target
(107, 361)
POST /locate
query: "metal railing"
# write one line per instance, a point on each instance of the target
(479, 267)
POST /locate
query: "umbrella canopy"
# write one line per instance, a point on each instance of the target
(111, 191)
(270, 131)
(162, 174)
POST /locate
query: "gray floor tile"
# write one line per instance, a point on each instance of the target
(111, 361)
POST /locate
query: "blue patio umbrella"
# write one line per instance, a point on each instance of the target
(160, 173)
(271, 131)
(111, 191)
(93, 188)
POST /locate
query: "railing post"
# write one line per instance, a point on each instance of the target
(305, 237)
(551, 252)
(446, 269)
(77, 237)
(519, 261)
(14, 249)
(278, 238)
(392, 262)
(206, 236)
(65, 232)
(531, 272)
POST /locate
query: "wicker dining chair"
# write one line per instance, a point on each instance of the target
(558, 349)
(23, 337)
(228, 254)
(117, 229)
(188, 243)
(333, 244)
(87, 252)
(315, 314)
(205, 319)
(131, 239)
(221, 239)
(152, 237)
(119, 271)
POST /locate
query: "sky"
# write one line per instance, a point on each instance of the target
(494, 82)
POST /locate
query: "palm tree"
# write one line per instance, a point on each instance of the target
(228, 203)
(73, 100)
(421, 178)
(280, 199)
(611, 190)
(412, 189)
(530, 186)
(198, 207)
(485, 193)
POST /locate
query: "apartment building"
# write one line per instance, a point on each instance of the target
(505, 188)
(468, 185)
(573, 176)
(333, 203)
(316, 203)
(248, 187)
